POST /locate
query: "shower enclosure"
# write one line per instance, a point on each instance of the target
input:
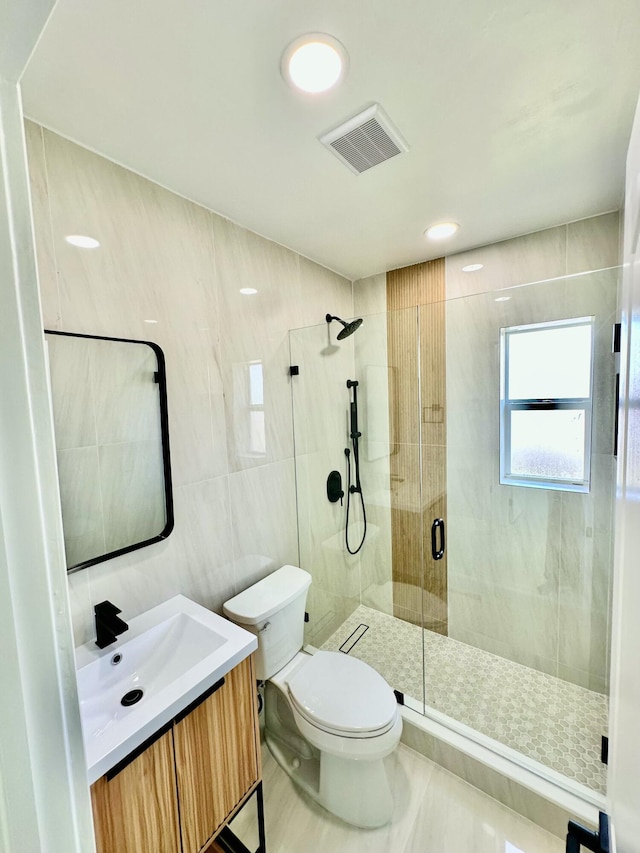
(482, 590)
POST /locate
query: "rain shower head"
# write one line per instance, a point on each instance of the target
(349, 328)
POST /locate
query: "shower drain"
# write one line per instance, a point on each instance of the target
(132, 697)
(357, 634)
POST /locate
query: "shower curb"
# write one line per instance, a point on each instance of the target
(536, 796)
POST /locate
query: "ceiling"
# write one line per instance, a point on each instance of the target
(517, 113)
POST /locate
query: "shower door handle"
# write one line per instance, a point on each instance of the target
(436, 553)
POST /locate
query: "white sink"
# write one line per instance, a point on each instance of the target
(172, 653)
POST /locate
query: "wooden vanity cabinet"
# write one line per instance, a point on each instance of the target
(136, 809)
(179, 792)
(217, 758)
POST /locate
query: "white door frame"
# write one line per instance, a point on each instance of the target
(44, 796)
(624, 752)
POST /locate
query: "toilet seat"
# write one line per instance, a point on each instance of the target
(343, 696)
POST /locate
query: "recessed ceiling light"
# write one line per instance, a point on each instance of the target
(81, 241)
(502, 299)
(472, 267)
(150, 321)
(441, 230)
(314, 63)
(248, 291)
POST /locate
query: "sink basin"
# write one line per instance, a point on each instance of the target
(169, 656)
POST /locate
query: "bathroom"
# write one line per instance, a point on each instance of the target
(171, 271)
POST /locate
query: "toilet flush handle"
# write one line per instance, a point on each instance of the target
(264, 628)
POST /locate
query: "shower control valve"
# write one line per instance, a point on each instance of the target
(335, 491)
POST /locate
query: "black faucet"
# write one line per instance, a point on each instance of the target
(108, 625)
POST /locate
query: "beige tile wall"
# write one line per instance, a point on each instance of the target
(163, 258)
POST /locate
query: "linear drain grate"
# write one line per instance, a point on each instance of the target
(353, 638)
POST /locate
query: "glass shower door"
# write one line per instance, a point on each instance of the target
(525, 661)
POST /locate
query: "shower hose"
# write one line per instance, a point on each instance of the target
(351, 490)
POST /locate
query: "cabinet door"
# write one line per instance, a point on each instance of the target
(217, 756)
(136, 810)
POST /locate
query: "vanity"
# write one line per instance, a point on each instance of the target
(168, 702)
(170, 724)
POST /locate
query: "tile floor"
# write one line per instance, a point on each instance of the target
(435, 812)
(550, 720)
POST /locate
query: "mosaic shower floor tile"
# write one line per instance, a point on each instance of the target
(552, 721)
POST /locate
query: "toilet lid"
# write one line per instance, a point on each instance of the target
(342, 694)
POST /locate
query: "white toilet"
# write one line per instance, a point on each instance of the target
(330, 719)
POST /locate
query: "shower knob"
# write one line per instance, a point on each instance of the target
(335, 491)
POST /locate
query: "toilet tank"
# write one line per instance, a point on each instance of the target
(273, 609)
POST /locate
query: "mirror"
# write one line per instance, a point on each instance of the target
(112, 440)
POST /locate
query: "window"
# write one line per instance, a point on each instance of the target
(545, 404)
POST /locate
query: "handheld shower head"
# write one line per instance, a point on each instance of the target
(349, 328)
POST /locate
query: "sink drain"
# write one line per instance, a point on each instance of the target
(132, 697)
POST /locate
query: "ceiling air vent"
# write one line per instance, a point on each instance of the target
(365, 140)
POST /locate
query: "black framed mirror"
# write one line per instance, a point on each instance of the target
(109, 398)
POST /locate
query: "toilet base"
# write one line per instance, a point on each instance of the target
(356, 791)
